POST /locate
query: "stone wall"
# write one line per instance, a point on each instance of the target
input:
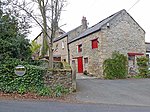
(59, 77)
(61, 49)
(123, 35)
(93, 55)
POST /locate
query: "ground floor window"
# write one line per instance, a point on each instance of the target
(132, 62)
(86, 60)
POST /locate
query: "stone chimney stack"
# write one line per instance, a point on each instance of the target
(84, 23)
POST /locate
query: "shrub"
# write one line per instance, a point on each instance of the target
(32, 81)
(115, 67)
(10, 82)
(142, 63)
(59, 90)
(66, 65)
(44, 91)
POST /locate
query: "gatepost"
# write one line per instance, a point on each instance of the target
(74, 85)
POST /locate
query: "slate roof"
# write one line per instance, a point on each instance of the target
(147, 47)
(50, 30)
(65, 34)
(96, 27)
(60, 37)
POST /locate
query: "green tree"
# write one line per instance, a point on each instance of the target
(49, 11)
(13, 43)
(34, 47)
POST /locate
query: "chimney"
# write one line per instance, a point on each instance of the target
(84, 23)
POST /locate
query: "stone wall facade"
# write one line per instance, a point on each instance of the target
(61, 45)
(57, 77)
(39, 40)
(123, 34)
(61, 49)
(94, 55)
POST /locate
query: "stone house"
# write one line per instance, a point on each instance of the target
(119, 32)
(89, 47)
(61, 47)
(39, 41)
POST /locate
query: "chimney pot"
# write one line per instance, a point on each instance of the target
(84, 22)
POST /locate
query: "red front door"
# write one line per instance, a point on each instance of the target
(80, 65)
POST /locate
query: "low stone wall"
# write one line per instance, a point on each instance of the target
(61, 77)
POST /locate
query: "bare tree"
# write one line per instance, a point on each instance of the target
(49, 13)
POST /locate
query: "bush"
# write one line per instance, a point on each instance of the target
(32, 81)
(115, 67)
(10, 82)
(142, 63)
(59, 90)
(44, 91)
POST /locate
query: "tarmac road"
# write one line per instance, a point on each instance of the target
(47, 106)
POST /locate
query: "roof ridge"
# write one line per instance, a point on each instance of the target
(108, 17)
(97, 26)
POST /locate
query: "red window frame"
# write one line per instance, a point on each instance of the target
(94, 43)
(80, 48)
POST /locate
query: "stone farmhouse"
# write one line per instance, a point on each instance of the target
(89, 47)
(39, 40)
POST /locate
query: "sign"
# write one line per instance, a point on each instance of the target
(20, 70)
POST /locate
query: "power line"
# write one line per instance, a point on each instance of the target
(134, 5)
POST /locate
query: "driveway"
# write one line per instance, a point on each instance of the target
(124, 92)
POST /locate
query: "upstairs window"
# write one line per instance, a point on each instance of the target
(94, 43)
(80, 48)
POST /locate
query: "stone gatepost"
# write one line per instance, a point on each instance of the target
(74, 85)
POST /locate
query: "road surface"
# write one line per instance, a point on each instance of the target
(47, 106)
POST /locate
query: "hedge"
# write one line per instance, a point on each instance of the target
(30, 82)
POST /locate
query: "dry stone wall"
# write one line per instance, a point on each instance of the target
(61, 77)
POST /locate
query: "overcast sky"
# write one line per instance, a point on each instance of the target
(97, 10)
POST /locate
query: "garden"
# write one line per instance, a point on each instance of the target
(15, 49)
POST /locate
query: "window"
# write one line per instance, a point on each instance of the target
(147, 55)
(85, 60)
(94, 43)
(80, 48)
(131, 58)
